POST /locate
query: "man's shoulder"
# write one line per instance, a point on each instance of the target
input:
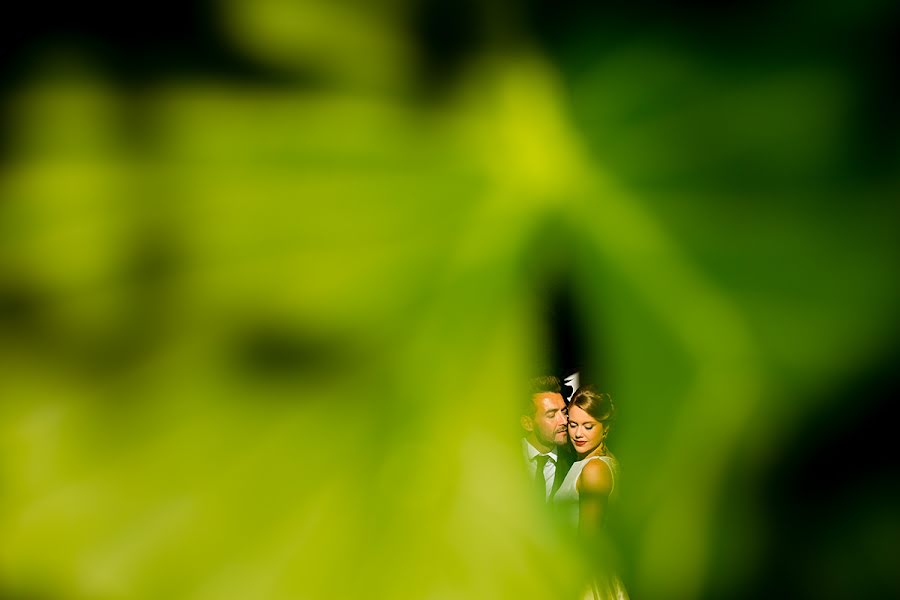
(565, 454)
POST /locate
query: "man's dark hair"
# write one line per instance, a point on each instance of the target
(545, 383)
(540, 385)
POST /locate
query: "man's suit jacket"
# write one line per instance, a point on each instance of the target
(565, 456)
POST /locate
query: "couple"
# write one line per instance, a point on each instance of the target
(565, 449)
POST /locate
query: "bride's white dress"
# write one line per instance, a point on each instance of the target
(566, 500)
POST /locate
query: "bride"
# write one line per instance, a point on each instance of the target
(584, 494)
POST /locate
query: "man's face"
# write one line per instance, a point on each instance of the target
(548, 425)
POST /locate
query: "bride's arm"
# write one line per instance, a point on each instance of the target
(594, 486)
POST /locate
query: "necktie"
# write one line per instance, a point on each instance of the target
(540, 484)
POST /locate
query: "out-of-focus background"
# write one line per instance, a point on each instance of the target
(274, 276)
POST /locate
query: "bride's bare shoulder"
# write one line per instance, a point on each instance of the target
(596, 478)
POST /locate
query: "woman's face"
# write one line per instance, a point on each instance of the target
(585, 431)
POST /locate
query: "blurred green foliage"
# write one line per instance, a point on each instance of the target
(267, 338)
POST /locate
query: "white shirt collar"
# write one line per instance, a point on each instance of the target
(530, 451)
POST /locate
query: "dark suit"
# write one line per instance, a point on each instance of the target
(565, 456)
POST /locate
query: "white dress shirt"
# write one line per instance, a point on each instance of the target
(530, 452)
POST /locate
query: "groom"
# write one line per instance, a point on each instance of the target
(546, 441)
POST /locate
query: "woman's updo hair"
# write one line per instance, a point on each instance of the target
(597, 404)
